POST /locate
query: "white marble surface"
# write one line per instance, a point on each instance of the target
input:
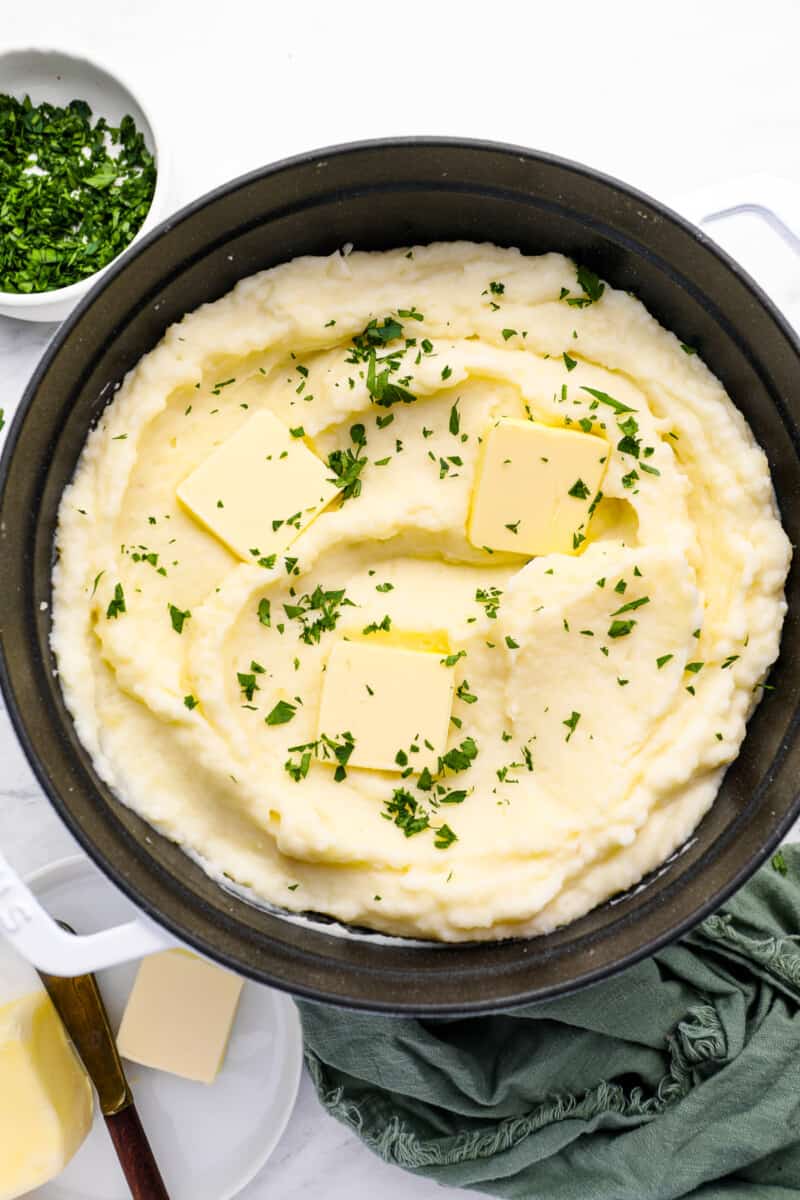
(669, 97)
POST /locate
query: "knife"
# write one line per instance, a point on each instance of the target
(79, 1004)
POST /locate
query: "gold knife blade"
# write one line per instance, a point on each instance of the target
(79, 1004)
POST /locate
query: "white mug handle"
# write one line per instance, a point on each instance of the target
(775, 201)
(38, 938)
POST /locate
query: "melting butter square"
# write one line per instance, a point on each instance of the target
(390, 699)
(534, 488)
(258, 490)
(179, 1015)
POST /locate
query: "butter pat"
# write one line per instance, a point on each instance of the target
(390, 699)
(259, 490)
(45, 1096)
(534, 488)
(179, 1015)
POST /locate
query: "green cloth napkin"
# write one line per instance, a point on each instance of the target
(678, 1077)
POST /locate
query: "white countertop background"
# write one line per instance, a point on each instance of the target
(670, 97)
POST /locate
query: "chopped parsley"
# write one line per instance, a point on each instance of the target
(444, 837)
(590, 285)
(569, 363)
(317, 612)
(377, 335)
(326, 748)
(406, 812)
(347, 465)
(248, 684)
(490, 599)
(459, 758)
(281, 714)
(190, 701)
(74, 192)
(463, 693)
(178, 616)
(631, 606)
(264, 611)
(579, 490)
(571, 724)
(604, 398)
(378, 626)
(629, 443)
(455, 420)
(117, 603)
(663, 660)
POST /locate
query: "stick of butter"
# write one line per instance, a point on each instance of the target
(536, 487)
(259, 490)
(46, 1100)
(179, 1015)
(395, 702)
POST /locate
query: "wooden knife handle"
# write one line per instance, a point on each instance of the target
(135, 1156)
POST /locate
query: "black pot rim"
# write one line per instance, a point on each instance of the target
(133, 893)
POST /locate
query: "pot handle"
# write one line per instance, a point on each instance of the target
(775, 201)
(35, 935)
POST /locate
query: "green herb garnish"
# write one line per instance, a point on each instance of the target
(177, 616)
(317, 612)
(347, 465)
(631, 606)
(604, 398)
(378, 626)
(571, 724)
(117, 603)
(579, 490)
(490, 599)
(72, 193)
(281, 714)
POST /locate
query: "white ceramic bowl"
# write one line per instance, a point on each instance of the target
(58, 77)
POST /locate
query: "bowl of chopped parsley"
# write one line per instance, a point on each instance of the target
(81, 176)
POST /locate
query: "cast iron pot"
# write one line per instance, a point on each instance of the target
(379, 195)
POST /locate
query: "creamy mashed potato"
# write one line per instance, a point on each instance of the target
(586, 756)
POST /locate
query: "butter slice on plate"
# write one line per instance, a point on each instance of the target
(534, 488)
(179, 1015)
(390, 699)
(259, 490)
(46, 1099)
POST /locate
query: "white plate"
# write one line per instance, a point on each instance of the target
(209, 1140)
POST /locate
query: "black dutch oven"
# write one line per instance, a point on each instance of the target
(379, 195)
